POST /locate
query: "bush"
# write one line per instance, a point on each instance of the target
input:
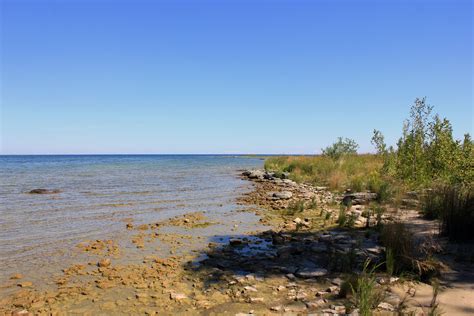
(340, 148)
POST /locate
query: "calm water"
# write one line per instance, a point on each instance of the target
(98, 194)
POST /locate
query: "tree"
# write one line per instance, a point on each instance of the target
(341, 147)
(378, 141)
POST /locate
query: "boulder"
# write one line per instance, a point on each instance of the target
(254, 174)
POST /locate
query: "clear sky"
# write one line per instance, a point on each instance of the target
(226, 76)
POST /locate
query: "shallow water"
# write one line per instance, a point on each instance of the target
(38, 232)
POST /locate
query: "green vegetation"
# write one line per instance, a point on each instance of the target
(366, 294)
(342, 147)
(398, 241)
(426, 157)
(389, 261)
(358, 172)
(454, 206)
(295, 207)
(427, 153)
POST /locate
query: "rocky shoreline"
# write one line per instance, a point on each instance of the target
(298, 266)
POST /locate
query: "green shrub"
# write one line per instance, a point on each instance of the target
(340, 148)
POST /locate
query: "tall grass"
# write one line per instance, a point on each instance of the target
(454, 206)
(389, 261)
(357, 172)
(366, 294)
(400, 247)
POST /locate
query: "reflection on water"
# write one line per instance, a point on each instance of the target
(98, 194)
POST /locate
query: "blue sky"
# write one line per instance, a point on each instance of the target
(226, 76)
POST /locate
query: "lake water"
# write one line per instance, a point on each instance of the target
(98, 193)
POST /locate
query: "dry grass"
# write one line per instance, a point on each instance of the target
(357, 172)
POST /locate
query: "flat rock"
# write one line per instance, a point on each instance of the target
(295, 307)
(178, 296)
(312, 273)
(283, 195)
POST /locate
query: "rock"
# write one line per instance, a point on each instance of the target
(276, 308)
(178, 296)
(16, 276)
(291, 276)
(36, 305)
(301, 296)
(386, 306)
(25, 284)
(104, 263)
(256, 300)
(332, 289)
(254, 174)
(339, 309)
(316, 304)
(374, 250)
(410, 203)
(44, 191)
(297, 307)
(336, 281)
(393, 280)
(358, 198)
(312, 273)
(249, 288)
(109, 305)
(23, 312)
(235, 241)
(283, 195)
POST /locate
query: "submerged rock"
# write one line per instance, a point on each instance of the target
(312, 273)
(44, 191)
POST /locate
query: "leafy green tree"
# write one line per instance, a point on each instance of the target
(340, 148)
(378, 140)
